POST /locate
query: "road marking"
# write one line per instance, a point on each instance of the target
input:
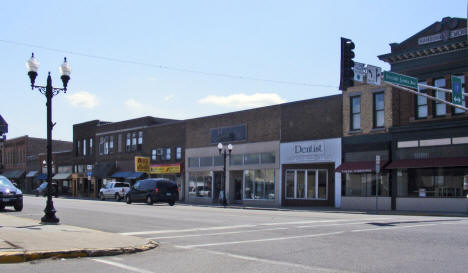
(123, 266)
(253, 259)
(214, 234)
(240, 226)
(264, 240)
(343, 224)
(383, 228)
(185, 230)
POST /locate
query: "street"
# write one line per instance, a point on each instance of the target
(216, 239)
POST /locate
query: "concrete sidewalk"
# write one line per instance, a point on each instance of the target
(23, 239)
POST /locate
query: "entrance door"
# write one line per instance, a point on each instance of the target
(217, 185)
(237, 177)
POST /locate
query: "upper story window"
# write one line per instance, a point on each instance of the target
(140, 141)
(458, 110)
(379, 110)
(355, 112)
(134, 141)
(153, 154)
(231, 133)
(178, 153)
(421, 104)
(78, 147)
(84, 147)
(168, 154)
(111, 144)
(119, 143)
(128, 143)
(440, 107)
(90, 146)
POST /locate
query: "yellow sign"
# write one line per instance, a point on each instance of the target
(165, 168)
(142, 164)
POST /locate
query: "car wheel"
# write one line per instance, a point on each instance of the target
(18, 206)
(101, 196)
(149, 200)
(2, 206)
(128, 199)
(171, 202)
(117, 197)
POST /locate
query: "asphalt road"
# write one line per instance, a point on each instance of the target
(214, 239)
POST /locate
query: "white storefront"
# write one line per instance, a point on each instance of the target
(308, 176)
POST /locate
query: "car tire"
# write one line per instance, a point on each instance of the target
(171, 203)
(117, 197)
(149, 200)
(128, 199)
(18, 206)
(101, 196)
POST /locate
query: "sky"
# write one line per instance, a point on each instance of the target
(187, 59)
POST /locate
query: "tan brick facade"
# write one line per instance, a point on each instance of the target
(366, 91)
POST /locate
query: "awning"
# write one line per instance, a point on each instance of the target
(128, 175)
(32, 174)
(359, 167)
(428, 163)
(103, 169)
(13, 174)
(62, 176)
(43, 176)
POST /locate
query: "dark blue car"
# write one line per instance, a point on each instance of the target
(10, 195)
(153, 190)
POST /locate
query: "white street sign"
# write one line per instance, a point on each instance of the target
(359, 71)
(374, 74)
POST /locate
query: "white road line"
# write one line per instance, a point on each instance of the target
(253, 259)
(263, 240)
(123, 266)
(214, 234)
(185, 230)
(242, 226)
(399, 227)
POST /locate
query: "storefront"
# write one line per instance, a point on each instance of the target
(308, 173)
(252, 174)
(63, 180)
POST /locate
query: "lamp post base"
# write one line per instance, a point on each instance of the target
(49, 217)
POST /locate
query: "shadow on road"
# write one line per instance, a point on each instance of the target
(392, 224)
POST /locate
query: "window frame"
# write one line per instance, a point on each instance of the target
(352, 113)
(376, 111)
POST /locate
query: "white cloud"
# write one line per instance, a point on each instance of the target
(169, 97)
(243, 101)
(83, 99)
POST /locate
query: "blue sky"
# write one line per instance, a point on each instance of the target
(157, 44)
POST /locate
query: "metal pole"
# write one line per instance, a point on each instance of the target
(377, 193)
(224, 184)
(49, 217)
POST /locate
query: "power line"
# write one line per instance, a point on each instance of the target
(165, 67)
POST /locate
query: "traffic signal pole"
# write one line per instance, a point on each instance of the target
(428, 96)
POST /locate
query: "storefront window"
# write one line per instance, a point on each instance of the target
(433, 182)
(363, 184)
(206, 161)
(308, 184)
(259, 184)
(289, 184)
(236, 160)
(267, 158)
(300, 184)
(194, 162)
(252, 159)
(200, 184)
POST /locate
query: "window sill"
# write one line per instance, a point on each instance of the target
(378, 129)
(354, 132)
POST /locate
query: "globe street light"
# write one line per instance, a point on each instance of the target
(33, 65)
(222, 150)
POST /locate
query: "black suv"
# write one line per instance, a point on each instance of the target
(153, 190)
(10, 195)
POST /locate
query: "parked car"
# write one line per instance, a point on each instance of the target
(153, 190)
(42, 189)
(116, 190)
(10, 195)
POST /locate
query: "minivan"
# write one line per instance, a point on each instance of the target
(153, 190)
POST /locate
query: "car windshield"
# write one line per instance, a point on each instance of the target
(5, 182)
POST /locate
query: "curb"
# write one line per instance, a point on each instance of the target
(26, 256)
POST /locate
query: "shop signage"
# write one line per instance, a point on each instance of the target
(165, 168)
(457, 92)
(313, 148)
(142, 164)
(374, 74)
(443, 36)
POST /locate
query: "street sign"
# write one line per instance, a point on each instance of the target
(399, 79)
(457, 93)
(359, 71)
(374, 74)
(377, 163)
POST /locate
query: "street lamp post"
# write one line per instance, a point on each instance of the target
(33, 65)
(223, 151)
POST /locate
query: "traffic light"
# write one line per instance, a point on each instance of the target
(347, 64)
